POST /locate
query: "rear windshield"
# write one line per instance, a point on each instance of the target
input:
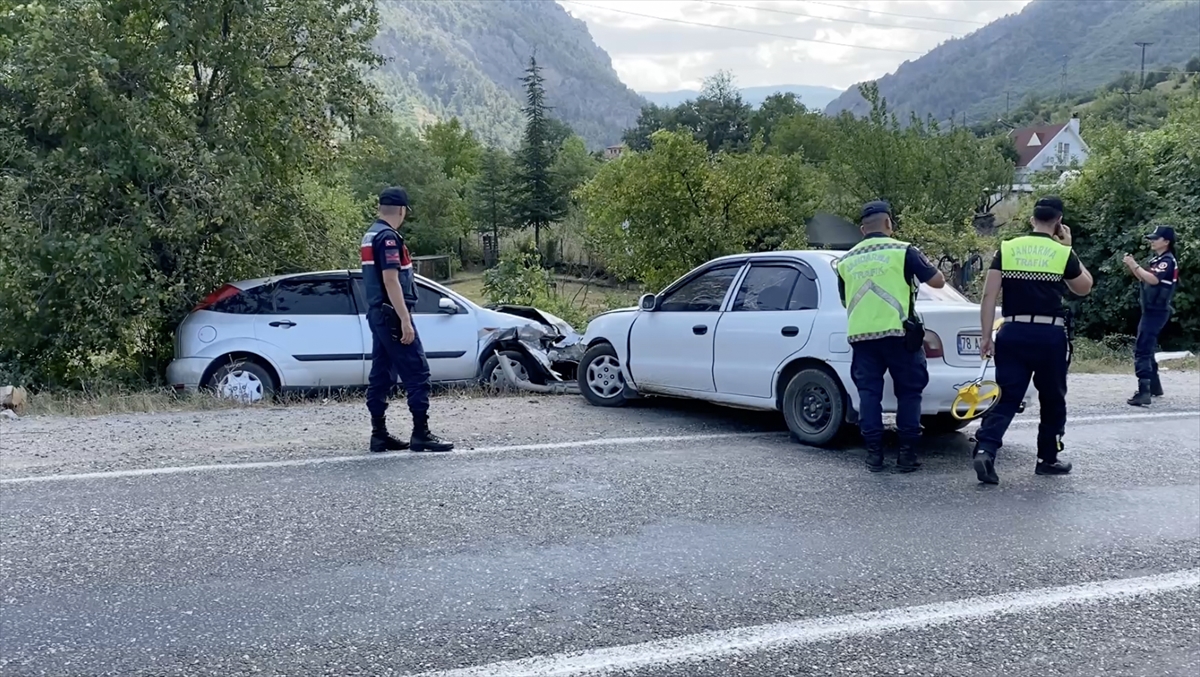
(945, 294)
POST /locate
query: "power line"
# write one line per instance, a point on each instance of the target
(742, 30)
(826, 18)
(906, 16)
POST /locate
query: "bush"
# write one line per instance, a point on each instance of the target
(519, 279)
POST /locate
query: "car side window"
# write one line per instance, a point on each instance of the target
(313, 297)
(360, 295)
(427, 300)
(249, 302)
(805, 295)
(703, 294)
(766, 288)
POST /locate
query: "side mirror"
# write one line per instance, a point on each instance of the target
(447, 306)
(649, 302)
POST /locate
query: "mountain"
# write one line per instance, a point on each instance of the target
(1025, 53)
(812, 96)
(465, 58)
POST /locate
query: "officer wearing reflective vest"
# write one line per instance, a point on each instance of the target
(1032, 342)
(1159, 279)
(396, 350)
(878, 276)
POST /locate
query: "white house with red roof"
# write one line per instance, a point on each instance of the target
(1047, 147)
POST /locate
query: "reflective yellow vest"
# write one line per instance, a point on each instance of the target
(1030, 257)
(877, 293)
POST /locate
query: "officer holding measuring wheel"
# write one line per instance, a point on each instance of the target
(1032, 343)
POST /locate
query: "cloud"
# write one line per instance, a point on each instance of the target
(658, 54)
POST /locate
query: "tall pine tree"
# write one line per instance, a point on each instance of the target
(538, 203)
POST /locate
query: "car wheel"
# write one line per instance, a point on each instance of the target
(942, 424)
(492, 376)
(244, 381)
(600, 377)
(814, 407)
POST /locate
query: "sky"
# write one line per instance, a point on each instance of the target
(653, 55)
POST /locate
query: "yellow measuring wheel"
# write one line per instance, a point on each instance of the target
(976, 398)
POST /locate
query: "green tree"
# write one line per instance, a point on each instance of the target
(538, 204)
(657, 214)
(154, 150)
(776, 109)
(457, 147)
(491, 193)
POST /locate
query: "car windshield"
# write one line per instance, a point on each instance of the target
(946, 294)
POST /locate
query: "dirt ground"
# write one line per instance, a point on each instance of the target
(37, 445)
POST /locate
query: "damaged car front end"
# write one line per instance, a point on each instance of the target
(553, 347)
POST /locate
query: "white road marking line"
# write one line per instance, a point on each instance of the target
(365, 457)
(1112, 417)
(602, 442)
(724, 643)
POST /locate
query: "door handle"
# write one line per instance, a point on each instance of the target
(700, 330)
(790, 331)
(286, 324)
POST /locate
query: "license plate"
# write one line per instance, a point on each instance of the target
(968, 344)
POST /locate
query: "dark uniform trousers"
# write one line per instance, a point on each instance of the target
(910, 374)
(391, 358)
(1027, 351)
(1150, 326)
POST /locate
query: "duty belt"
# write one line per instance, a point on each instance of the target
(1036, 319)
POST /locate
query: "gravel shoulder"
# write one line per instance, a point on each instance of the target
(50, 444)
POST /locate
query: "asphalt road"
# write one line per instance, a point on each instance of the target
(684, 554)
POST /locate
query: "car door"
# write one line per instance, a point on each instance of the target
(672, 346)
(312, 320)
(770, 319)
(450, 336)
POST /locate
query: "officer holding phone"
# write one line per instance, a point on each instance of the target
(1158, 279)
(1032, 343)
(391, 295)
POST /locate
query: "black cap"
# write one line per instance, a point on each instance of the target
(393, 197)
(1165, 232)
(1048, 208)
(876, 207)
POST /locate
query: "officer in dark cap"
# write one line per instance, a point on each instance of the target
(1032, 343)
(1158, 279)
(391, 295)
(879, 276)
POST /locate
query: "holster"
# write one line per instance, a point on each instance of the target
(392, 321)
(914, 329)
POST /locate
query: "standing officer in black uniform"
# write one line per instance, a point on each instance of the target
(391, 295)
(1158, 287)
(1033, 342)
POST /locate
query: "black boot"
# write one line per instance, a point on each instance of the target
(1155, 386)
(874, 457)
(1142, 398)
(380, 439)
(906, 458)
(1048, 463)
(985, 466)
(423, 440)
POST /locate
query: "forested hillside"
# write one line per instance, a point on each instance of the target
(465, 59)
(1001, 63)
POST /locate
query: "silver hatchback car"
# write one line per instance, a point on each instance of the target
(249, 340)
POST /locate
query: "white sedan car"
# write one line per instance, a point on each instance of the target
(768, 331)
(250, 339)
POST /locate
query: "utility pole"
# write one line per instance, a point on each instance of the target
(1143, 46)
(1006, 94)
(1062, 89)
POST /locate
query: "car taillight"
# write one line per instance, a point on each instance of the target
(933, 345)
(223, 292)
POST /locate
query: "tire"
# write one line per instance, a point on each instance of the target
(600, 378)
(492, 376)
(814, 406)
(243, 380)
(942, 424)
